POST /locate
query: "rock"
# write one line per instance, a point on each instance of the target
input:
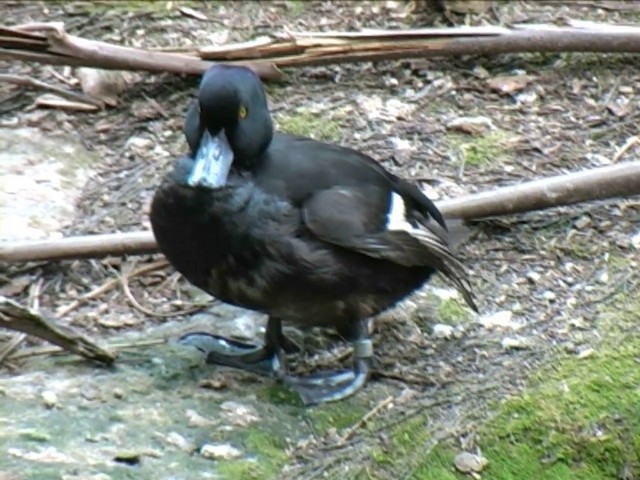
(635, 240)
(441, 330)
(219, 451)
(42, 179)
(470, 463)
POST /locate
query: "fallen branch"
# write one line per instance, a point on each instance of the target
(621, 180)
(14, 316)
(49, 43)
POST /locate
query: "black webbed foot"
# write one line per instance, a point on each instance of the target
(245, 356)
(333, 386)
(268, 361)
(231, 353)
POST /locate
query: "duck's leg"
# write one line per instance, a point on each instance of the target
(333, 386)
(263, 360)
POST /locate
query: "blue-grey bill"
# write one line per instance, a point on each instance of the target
(212, 161)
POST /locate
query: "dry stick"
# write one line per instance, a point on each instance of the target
(613, 181)
(368, 416)
(49, 43)
(619, 180)
(33, 83)
(21, 319)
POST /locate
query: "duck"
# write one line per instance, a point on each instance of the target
(311, 234)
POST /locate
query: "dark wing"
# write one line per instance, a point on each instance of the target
(381, 223)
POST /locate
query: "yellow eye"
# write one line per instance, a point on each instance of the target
(243, 112)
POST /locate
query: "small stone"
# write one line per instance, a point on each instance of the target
(470, 463)
(635, 240)
(471, 125)
(177, 440)
(442, 330)
(239, 414)
(501, 319)
(219, 451)
(586, 353)
(533, 277)
(118, 393)
(194, 419)
(49, 398)
(391, 82)
(583, 222)
(515, 343)
(604, 277)
(549, 296)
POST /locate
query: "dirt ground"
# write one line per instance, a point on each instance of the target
(545, 280)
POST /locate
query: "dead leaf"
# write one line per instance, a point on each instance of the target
(53, 101)
(105, 85)
(509, 84)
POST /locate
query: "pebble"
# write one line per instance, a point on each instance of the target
(49, 398)
(441, 330)
(533, 277)
(219, 451)
(239, 414)
(470, 463)
(501, 319)
(549, 296)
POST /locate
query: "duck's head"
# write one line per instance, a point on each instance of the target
(230, 124)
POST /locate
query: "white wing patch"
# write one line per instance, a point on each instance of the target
(397, 216)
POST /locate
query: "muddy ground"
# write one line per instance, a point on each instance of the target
(543, 382)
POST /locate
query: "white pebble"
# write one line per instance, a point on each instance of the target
(219, 451)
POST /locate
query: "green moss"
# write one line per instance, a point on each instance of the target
(577, 419)
(240, 470)
(279, 395)
(453, 312)
(309, 124)
(337, 415)
(266, 456)
(482, 150)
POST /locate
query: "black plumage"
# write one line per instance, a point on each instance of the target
(306, 232)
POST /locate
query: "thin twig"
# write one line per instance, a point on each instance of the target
(114, 347)
(368, 416)
(11, 345)
(110, 285)
(33, 83)
(124, 281)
